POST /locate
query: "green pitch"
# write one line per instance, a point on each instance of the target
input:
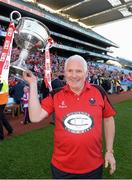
(28, 156)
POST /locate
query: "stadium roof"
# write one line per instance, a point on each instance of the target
(90, 12)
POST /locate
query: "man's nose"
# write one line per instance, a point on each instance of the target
(74, 74)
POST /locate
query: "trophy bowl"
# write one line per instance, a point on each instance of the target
(30, 35)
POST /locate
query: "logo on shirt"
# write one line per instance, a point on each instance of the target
(78, 122)
(62, 105)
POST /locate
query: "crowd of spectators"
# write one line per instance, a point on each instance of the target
(110, 79)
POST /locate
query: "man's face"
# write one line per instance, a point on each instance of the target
(75, 75)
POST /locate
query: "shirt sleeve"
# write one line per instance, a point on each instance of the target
(108, 110)
(47, 104)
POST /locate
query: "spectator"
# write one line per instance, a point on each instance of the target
(94, 79)
(3, 120)
(16, 91)
(58, 82)
(43, 90)
(106, 84)
(25, 105)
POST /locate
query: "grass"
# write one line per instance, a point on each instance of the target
(28, 156)
(123, 140)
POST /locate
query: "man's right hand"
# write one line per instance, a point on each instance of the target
(29, 77)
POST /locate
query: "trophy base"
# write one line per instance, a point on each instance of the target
(17, 70)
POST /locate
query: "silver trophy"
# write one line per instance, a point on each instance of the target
(30, 35)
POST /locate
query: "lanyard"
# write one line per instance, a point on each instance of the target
(6, 50)
(47, 67)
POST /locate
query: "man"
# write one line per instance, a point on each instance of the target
(3, 101)
(58, 82)
(79, 108)
(16, 91)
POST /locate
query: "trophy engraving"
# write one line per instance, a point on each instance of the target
(30, 35)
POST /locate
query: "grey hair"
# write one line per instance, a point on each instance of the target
(79, 59)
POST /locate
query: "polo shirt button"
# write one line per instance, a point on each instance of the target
(78, 99)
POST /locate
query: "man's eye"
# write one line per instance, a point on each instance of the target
(78, 71)
(69, 70)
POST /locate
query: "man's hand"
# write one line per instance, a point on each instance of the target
(29, 77)
(110, 161)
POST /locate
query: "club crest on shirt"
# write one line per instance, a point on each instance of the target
(92, 101)
(78, 122)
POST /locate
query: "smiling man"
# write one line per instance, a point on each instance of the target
(80, 108)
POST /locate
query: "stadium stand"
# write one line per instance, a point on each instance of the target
(70, 38)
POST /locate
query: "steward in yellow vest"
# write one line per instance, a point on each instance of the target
(4, 93)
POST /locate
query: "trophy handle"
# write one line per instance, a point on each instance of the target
(17, 14)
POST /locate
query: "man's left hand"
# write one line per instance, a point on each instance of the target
(110, 161)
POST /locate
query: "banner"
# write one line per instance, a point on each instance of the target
(6, 54)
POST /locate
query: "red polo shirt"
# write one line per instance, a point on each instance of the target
(78, 128)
